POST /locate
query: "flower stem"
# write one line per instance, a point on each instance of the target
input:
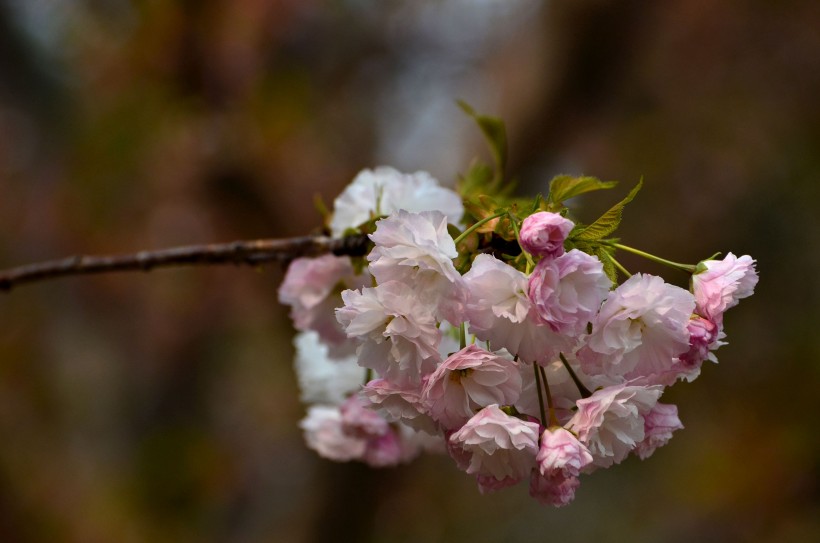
(513, 221)
(585, 393)
(540, 394)
(550, 405)
(478, 225)
(462, 336)
(689, 268)
(619, 266)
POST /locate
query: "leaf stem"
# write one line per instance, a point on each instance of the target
(677, 265)
(478, 225)
(619, 266)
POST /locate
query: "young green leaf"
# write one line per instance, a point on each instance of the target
(496, 135)
(564, 187)
(609, 221)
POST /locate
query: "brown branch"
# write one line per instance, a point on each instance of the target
(250, 253)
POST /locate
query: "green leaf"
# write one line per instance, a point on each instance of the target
(475, 182)
(604, 254)
(496, 135)
(609, 221)
(564, 187)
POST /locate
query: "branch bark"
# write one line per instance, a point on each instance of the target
(249, 252)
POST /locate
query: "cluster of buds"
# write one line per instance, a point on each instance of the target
(497, 331)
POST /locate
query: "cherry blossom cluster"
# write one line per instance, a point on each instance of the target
(506, 336)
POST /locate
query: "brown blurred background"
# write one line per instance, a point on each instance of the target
(163, 407)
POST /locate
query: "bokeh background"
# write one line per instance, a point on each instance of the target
(162, 407)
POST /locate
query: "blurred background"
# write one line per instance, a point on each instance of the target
(162, 407)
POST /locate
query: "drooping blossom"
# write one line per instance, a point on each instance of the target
(720, 284)
(467, 381)
(311, 288)
(499, 445)
(611, 421)
(416, 249)
(567, 292)
(555, 489)
(398, 331)
(384, 190)
(560, 451)
(358, 420)
(640, 330)
(659, 424)
(324, 434)
(500, 312)
(543, 234)
(323, 379)
(400, 404)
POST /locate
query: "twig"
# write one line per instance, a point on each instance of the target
(250, 253)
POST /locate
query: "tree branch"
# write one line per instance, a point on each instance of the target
(250, 253)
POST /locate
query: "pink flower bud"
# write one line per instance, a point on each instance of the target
(543, 233)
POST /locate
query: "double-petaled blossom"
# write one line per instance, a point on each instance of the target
(385, 190)
(500, 312)
(640, 330)
(720, 284)
(543, 234)
(611, 421)
(559, 462)
(554, 489)
(659, 424)
(416, 249)
(561, 451)
(498, 445)
(567, 292)
(324, 434)
(322, 379)
(398, 331)
(400, 404)
(467, 381)
(311, 288)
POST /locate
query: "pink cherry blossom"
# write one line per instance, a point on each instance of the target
(398, 331)
(499, 445)
(641, 328)
(722, 284)
(311, 288)
(358, 420)
(487, 484)
(323, 433)
(385, 190)
(611, 421)
(323, 379)
(467, 381)
(659, 424)
(560, 451)
(500, 312)
(416, 249)
(543, 234)
(400, 404)
(556, 489)
(567, 291)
